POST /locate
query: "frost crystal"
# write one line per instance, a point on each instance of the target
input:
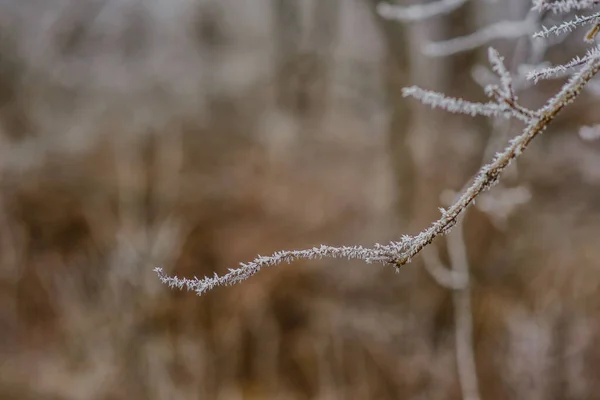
(504, 104)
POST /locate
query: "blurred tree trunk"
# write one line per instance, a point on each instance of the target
(304, 56)
(397, 76)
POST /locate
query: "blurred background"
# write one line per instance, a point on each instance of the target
(196, 134)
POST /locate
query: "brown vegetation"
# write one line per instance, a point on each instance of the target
(196, 135)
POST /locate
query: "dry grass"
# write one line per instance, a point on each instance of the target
(102, 181)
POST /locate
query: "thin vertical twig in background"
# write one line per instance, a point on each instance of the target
(463, 317)
(457, 278)
(442, 275)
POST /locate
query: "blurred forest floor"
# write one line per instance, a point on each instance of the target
(195, 134)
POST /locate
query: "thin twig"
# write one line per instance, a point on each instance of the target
(442, 275)
(402, 252)
(488, 174)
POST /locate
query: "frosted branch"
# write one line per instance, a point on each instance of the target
(505, 105)
(564, 6)
(379, 253)
(498, 67)
(593, 32)
(567, 26)
(488, 174)
(402, 252)
(563, 69)
(456, 105)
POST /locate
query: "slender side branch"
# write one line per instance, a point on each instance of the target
(567, 26)
(563, 6)
(377, 254)
(518, 111)
(456, 105)
(401, 252)
(488, 174)
(558, 70)
(498, 66)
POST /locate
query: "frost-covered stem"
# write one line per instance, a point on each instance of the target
(498, 66)
(379, 253)
(400, 253)
(564, 6)
(488, 174)
(520, 112)
(560, 70)
(567, 26)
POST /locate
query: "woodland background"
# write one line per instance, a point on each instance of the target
(195, 134)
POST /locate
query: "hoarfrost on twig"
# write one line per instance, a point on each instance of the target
(567, 26)
(401, 252)
(563, 69)
(564, 6)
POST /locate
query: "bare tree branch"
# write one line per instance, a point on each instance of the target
(402, 252)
